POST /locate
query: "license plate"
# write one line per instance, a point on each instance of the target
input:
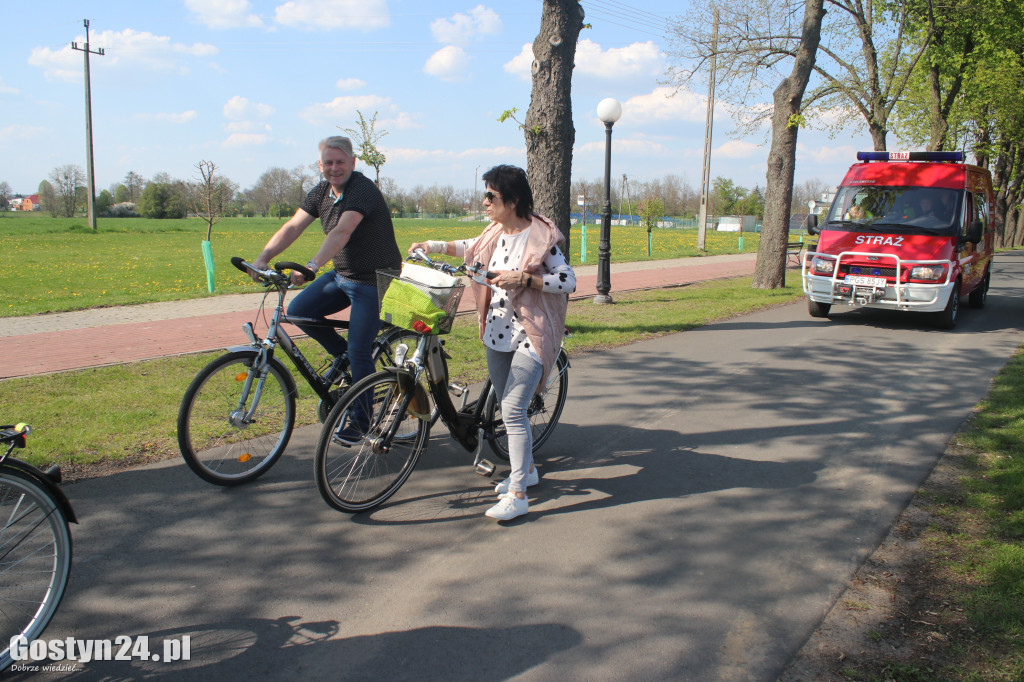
(861, 281)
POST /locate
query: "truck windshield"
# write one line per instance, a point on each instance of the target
(909, 210)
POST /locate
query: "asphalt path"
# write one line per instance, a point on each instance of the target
(703, 502)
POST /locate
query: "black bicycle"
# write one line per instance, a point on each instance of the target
(394, 406)
(35, 545)
(238, 414)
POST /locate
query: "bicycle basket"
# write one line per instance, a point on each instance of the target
(418, 298)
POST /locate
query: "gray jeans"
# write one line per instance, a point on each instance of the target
(515, 377)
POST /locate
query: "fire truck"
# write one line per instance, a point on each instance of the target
(908, 231)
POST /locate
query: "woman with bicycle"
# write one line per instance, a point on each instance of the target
(523, 329)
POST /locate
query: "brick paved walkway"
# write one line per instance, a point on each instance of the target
(40, 344)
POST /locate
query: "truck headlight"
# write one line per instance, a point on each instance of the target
(932, 272)
(823, 266)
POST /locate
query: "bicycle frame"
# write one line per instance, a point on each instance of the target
(466, 424)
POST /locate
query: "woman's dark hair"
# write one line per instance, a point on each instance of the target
(511, 184)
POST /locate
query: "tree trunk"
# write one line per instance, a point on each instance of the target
(770, 270)
(549, 132)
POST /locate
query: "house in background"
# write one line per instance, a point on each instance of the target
(31, 203)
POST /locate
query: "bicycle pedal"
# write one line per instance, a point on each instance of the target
(457, 388)
(485, 468)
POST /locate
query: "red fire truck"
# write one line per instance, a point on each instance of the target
(906, 231)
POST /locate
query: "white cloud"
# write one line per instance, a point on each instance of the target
(738, 149)
(616, 63)
(331, 15)
(665, 104)
(413, 155)
(462, 28)
(342, 109)
(224, 13)
(520, 65)
(7, 89)
(183, 117)
(127, 48)
(245, 140)
(828, 154)
(20, 132)
(246, 127)
(238, 108)
(350, 83)
(639, 60)
(449, 63)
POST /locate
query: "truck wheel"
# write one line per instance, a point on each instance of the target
(947, 319)
(977, 298)
(818, 309)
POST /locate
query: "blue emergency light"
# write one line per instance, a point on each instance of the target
(955, 157)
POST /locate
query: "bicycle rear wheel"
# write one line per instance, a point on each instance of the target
(35, 558)
(231, 430)
(361, 476)
(543, 413)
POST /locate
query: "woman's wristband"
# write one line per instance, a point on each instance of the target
(434, 246)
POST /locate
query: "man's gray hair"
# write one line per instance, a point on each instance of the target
(336, 142)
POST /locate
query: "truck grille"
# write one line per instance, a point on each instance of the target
(868, 270)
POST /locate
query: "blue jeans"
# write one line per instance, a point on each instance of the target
(515, 377)
(331, 293)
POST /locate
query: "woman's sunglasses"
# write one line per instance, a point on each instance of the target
(490, 196)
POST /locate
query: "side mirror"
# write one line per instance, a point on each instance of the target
(811, 224)
(975, 232)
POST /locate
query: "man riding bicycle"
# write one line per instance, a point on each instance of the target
(360, 239)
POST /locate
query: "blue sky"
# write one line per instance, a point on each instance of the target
(252, 84)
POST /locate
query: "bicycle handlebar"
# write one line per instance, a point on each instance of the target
(274, 276)
(477, 272)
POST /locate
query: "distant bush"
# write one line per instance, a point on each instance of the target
(125, 209)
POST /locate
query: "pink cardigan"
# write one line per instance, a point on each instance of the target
(541, 314)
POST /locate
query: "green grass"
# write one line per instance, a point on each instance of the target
(54, 265)
(79, 417)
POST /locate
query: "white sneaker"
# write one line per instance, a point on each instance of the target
(532, 478)
(508, 507)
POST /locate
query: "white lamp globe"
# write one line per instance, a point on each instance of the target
(609, 110)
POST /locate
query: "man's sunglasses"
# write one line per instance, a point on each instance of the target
(489, 196)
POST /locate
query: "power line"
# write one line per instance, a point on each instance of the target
(614, 13)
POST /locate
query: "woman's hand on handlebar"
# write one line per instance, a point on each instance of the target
(419, 246)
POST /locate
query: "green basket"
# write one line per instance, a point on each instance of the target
(405, 302)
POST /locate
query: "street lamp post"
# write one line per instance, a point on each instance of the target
(608, 110)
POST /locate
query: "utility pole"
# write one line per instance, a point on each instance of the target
(702, 216)
(88, 126)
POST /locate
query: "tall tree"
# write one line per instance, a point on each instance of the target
(366, 138)
(47, 197)
(135, 183)
(549, 131)
(66, 181)
(276, 184)
(5, 195)
(770, 269)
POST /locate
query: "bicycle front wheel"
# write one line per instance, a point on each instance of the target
(369, 445)
(543, 413)
(35, 558)
(234, 423)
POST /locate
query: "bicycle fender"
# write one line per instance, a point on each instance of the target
(46, 483)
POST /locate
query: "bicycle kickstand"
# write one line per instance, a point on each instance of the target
(480, 465)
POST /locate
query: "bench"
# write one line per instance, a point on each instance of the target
(793, 250)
